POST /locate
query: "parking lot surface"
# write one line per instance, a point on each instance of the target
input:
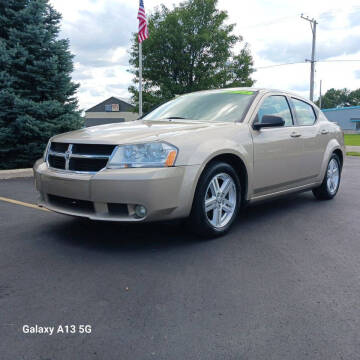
(283, 284)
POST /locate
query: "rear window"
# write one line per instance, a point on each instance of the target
(305, 114)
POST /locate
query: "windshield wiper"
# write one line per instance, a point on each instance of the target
(175, 118)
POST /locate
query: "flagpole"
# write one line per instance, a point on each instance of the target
(140, 79)
(143, 34)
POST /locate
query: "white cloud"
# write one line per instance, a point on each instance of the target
(354, 17)
(100, 35)
(286, 52)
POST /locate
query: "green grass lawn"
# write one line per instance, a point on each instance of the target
(352, 139)
(352, 153)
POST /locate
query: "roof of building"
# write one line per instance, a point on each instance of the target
(341, 108)
(110, 100)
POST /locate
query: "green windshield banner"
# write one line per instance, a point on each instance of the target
(242, 92)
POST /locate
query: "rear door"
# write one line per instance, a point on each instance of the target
(313, 139)
(276, 150)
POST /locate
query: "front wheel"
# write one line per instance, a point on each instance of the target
(330, 185)
(217, 200)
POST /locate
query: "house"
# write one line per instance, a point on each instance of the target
(348, 118)
(111, 110)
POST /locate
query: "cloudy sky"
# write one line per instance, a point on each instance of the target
(100, 33)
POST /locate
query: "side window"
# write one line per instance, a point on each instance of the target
(276, 105)
(305, 114)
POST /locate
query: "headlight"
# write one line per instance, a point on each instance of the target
(156, 154)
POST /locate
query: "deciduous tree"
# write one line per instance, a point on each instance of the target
(191, 47)
(340, 98)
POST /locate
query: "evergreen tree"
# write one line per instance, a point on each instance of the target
(37, 96)
(190, 48)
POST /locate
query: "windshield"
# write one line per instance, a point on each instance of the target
(229, 106)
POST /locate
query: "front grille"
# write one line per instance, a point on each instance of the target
(59, 147)
(85, 164)
(87, 158)
(56, 162)
(93, 149)
(71, 204)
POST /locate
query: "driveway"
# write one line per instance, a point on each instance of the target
(283, 284)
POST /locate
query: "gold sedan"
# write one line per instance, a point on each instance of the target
(201, 156)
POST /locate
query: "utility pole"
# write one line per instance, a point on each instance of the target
(313, 24)
(320, 95)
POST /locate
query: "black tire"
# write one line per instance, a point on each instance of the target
(322, 192)
(198, 220)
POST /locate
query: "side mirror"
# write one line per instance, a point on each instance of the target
(269, 121)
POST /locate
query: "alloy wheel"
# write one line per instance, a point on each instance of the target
(333, 176)
(220, 200)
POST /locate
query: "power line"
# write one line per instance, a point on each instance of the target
(340, 60)
(303, 62)
(276, 65)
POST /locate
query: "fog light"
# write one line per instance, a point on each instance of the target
(140, 211)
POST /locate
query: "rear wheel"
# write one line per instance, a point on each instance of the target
(216, 201)
(330, 185)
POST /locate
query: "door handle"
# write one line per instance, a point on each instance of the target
(324, 131)
(295, 134)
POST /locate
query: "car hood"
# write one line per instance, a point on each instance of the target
(133, 132)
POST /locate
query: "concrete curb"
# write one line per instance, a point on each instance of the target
(17, 173)
(353, 148)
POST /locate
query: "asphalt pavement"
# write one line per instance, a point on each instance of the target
(283, 284)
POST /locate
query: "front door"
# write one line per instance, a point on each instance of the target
(276, 150)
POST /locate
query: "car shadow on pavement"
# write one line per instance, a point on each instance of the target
(111, 236)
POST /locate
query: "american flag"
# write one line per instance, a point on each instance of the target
(143, 29)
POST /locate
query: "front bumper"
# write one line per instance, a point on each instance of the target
(112, 194)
